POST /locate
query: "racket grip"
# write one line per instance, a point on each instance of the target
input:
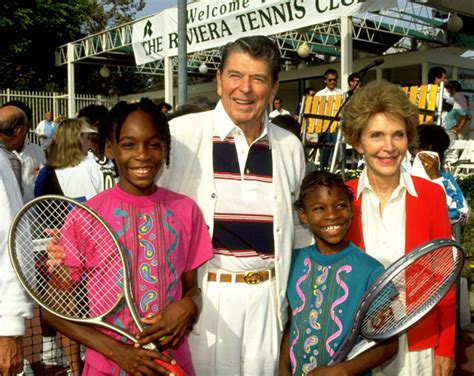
(177, 370)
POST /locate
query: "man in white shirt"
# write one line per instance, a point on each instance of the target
(278, 109)
(327, 140)
(330, 80)
(31, 156)
(458, 117)
(45, 130)
(13, 129)
(245, 173)
(15, 305)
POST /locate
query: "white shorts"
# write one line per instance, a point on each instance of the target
(238, 331)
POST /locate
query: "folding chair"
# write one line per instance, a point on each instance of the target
(429, 100)
(318, 115)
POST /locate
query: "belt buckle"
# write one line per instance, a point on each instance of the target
(253, 278)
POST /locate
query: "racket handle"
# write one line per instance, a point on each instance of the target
(177, 370)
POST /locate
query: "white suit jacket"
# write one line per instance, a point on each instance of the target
(191, 173)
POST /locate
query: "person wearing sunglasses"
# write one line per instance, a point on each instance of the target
(328, 139)
(330, 80)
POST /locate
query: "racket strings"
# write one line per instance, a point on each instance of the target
(411, 291)
(89, 266)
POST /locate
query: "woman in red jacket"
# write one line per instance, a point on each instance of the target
(395, 212)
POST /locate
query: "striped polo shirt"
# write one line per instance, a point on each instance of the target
(243, 219)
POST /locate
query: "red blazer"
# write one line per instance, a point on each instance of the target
(426, 219)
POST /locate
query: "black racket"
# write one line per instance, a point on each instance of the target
(92, 282)
(402, 295)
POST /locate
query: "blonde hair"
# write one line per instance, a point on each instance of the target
(66, 146)
(373, 98)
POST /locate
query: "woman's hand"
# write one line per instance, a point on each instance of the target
(444, 366)
(170, 325)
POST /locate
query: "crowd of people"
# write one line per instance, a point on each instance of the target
(238, 254)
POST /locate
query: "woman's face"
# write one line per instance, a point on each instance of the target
(383, 142)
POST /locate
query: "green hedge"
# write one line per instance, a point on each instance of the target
(466, 183)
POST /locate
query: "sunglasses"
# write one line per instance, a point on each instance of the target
(331, 79)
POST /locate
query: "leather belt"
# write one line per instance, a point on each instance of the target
(251, 278)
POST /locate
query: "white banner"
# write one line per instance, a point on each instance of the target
(212, 24)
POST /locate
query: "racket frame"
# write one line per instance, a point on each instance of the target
(125, 293)
(385, 278)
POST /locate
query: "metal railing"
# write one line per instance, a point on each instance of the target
(56, 103)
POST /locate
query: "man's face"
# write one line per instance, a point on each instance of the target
(355, 84)
(277, 104)
(246, 88)
(331, 81)
(48, 116)
(443, 78)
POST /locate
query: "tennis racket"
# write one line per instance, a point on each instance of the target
(92, 282)
(402, 295)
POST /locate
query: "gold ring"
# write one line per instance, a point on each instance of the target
(162, 338)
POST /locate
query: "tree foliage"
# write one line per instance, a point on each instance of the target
(31, 30)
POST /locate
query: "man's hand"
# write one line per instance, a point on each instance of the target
(11, 355)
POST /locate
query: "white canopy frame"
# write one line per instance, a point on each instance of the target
(404, 28)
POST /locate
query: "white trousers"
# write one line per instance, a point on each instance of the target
(407, 363)
(238, 331)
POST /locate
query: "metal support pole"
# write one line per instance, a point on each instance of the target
(346, 51)
(169, 81)
(71, 91)
(182, 54)
(346, 69)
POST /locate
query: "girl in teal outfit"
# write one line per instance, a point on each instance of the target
(327, 281)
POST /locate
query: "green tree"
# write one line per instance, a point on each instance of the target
(31, 31)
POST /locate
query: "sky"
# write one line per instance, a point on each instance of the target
(155, 6)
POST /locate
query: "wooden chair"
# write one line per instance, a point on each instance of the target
(317, 114)
(429, 100)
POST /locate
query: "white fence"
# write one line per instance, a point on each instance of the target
(56, 103)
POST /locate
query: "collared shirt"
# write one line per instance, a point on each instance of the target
(384, 233)
(460, 110)
(276, 113)
(15, 164)
(46, 129)
(15, 305)
(244, 206)
(327, 91)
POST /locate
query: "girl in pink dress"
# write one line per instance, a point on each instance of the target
(165, 239)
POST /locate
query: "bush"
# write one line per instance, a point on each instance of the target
(466, 183)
